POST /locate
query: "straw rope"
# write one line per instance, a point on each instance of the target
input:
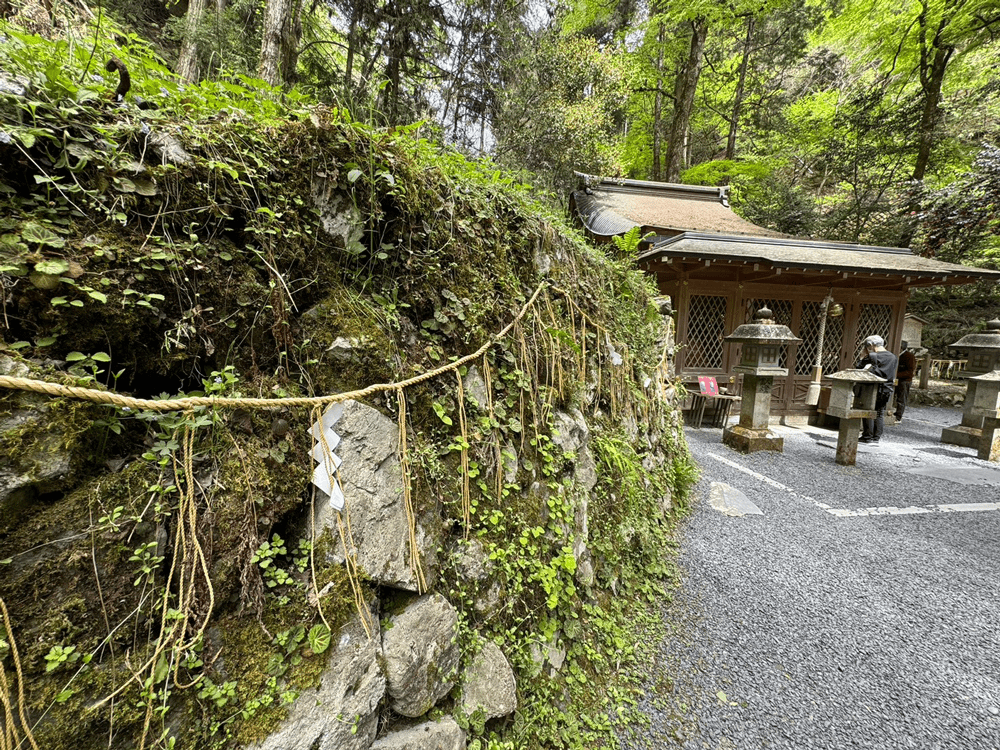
(191, 402)
(9, 736)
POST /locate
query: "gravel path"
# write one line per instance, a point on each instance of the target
(823, 623)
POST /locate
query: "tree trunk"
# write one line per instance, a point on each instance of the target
(658, 109)
(738, 97)
(684, 91)
(931, 84)
(352, 35)
(934, 58)
(187, 60)
(279, 46)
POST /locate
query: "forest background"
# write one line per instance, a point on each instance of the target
(846, 120)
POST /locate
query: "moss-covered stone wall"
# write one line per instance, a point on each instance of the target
(167, 589)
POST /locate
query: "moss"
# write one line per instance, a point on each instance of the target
(444, 258)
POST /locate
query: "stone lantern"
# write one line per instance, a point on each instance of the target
(986, 406)
(762, 341)
(852, 398)
(984, 356)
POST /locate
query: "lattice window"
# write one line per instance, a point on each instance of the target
(874, 320)
(809, 333)
(833, 339)
(833, 343)
(781, 310)
(705, 329)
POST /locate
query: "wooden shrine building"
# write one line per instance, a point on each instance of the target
(719, 269)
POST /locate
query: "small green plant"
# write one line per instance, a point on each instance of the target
(85, 367)
(319, 638)
(59, 656)
(145, 555)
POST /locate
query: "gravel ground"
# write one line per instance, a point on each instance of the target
(799, 628)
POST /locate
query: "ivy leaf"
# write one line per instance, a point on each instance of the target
(81, 152)
(161, 670)
(75, 356)
(439, 410)
(99, 296)
(124, 185)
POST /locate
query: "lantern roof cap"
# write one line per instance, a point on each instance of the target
(983, 340)
(857, 376)
(987, 377)
(763, 331)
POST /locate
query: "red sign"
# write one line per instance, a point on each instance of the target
(708, 385)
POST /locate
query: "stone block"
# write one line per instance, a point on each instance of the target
(342, 713)
(489, 685)
(444, 734)
(745, 440)
(372, 480)
(421, 655)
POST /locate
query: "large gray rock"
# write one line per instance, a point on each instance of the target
(471, 561)
(338, 215)
(168, 148)
(41, 468)
(572, 434)
(475, 387)
(581, 537)
(342, 713)
(473, 565)
(489, 685)
(443, 734)
(421, 654)
(373, 488)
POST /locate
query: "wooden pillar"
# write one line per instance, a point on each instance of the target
(925, 372)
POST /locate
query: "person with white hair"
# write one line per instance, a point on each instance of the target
(883, 363)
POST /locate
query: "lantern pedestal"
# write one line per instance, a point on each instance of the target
(966, 434)
(989, 442)
(987, 407)
(983, 351)
(969, 431)
(752, 433)
(852, 398)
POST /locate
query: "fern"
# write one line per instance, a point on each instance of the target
(628, 243)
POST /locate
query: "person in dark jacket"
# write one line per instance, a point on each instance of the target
(877, 360)
(904, 379)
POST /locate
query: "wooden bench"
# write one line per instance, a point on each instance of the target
(722, 403)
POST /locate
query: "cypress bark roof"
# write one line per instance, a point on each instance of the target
(610, 207)
(695, 223)
(796, 254)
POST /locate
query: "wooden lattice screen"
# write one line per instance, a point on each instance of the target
(833, 339)
(706, 326)
(874, 320)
